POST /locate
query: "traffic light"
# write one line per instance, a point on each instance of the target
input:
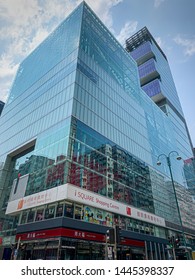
(177, 242)
(118, 234)
(110, 236)
(174, 242)
(171, 240)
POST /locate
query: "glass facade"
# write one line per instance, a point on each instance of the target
(101, 166)
(82, 119)
(37, 116)
(156, 80)
(147, 68)
(153, 88)
(142, 53)
(150, 58)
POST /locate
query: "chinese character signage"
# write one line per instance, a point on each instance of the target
(95, 203)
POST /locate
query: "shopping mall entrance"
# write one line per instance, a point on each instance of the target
(81, 250)
(130, 253)
(71, 249)
(62, 249)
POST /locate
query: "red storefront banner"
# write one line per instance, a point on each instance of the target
(132, 242)
(61, 232)
(72, 233)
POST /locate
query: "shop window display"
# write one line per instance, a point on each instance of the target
(88, 214)
(97, 216)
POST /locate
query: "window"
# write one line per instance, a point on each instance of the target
(50, 211)
(23, 218)
(31, 216)
(68, 210)
(59, 210)
(40, 214)
(78, 212)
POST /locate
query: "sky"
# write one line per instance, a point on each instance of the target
(24, 24)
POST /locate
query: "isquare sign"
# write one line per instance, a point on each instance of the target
(73, 193)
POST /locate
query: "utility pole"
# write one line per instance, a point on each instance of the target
(17, 249)
(115, 242)
(168, 160)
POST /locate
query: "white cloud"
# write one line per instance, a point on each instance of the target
(187, 44)
(5, 87)
(126, 31)
(7, 66)
(159, 41)
(18, 11)
(27, 21)
(157, 3)
(8, 69)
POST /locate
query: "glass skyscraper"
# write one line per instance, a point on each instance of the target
(79, 145)
(157, 81)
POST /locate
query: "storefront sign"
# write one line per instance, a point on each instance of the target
(86, 197)
(71, 192)
(76, 234)
(38, 199)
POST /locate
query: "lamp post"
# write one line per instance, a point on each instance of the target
(172, 181)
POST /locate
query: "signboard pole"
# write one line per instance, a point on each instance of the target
(17, 248)
(106, 248)
(115, 243)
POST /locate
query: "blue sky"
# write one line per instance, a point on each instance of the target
(25, 23)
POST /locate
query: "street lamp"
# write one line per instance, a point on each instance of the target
(172, 181)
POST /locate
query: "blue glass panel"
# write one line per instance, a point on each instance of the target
(153, 88)
(147, 68)
(141, 51)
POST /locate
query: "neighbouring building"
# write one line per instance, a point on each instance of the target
(79, 156)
